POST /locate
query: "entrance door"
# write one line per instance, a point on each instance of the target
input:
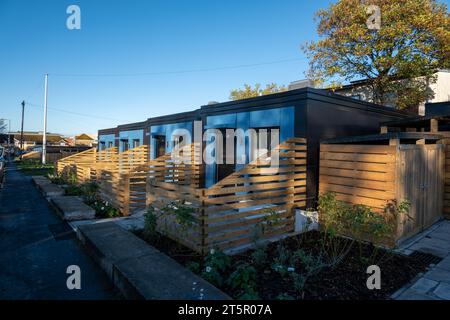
(160, 146)
(421, 182)
(224, 169)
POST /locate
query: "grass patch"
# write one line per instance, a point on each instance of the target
(35, 168)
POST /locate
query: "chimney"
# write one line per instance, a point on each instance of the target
(301, 84)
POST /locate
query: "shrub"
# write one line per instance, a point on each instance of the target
(216, 264)
(55, 178)
(259, 256)
(150, 224)
(270, 220)
(193, 266)
(243, 279)
(103, 209)
(183, 214)
(359, 221)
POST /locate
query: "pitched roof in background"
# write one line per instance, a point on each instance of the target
(37, 136)
(84, 136)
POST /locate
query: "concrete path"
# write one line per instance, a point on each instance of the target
(435, 283)
(36, 248)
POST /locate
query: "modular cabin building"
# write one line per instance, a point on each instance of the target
(303, 113)
(166, 131)
(132, 135)
(107, 138)
(308, 113)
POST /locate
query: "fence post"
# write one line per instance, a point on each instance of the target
(126, 193)
(203, 222)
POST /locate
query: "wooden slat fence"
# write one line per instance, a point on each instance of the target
(228, 213)
(182, 167)
(377, 176)
(359, 174)
(112, 174)
(81, 164)
(241, 201)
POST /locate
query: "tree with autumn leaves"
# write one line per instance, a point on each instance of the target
(399, 59)
(256, 91)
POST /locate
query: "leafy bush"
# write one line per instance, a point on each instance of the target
(193, 267)
(102, 208)
(243, 279)
(56, 179)
(87, 190)
(359, 221)
(281, 261)
(183, 214)
(259, 256)
(150, 224)
(216, 264)
(270, 220)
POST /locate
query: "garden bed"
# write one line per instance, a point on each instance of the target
(34, 168)
(88, 191)
(298, 268)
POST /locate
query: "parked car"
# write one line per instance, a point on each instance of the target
(2, 165)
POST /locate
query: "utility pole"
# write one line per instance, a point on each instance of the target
(21, 129)
(44, 136)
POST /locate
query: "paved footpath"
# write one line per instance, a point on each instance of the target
(36, 248)
(435, 283)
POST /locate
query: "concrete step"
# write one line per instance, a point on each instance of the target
(139, 270)
(40, 180)
(72, 208)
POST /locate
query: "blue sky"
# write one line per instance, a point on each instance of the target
(152, 36)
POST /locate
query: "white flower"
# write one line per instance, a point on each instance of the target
(290, 269)
(103, 208)
(208, 269)
(212, 251)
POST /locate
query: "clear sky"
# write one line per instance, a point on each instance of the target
(161, 38)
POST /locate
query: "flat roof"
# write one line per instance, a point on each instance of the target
(282, 98)
(417, 122)
(385, 137)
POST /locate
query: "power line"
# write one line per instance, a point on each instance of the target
(76, 113)
(176, 71)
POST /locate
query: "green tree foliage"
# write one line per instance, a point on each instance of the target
(398, 59)
(249, 92)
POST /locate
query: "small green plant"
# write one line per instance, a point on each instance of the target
(183, 214)
(103, 209)
(359, 222)
(259, 256)
(281, 262)
(55, 178)
(69, 175)
(216, 264)
(88, 190)
(193, 267)
(299, 281)
(243, 279)
(262, 228)
(150, 224)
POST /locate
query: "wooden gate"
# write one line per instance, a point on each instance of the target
(376, 175)
(420, 170)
